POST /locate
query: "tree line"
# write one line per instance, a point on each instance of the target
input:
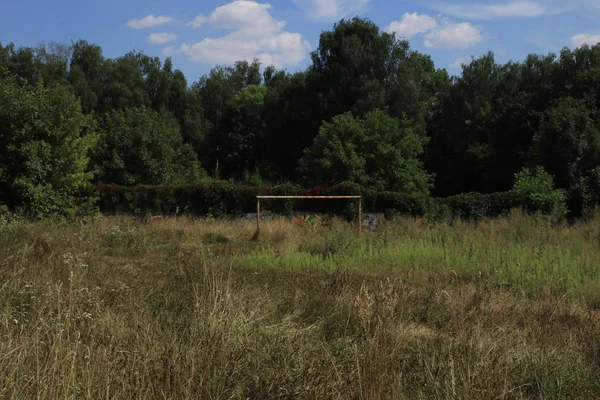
(368, 110)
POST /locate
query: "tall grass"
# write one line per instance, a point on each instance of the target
(525, 253)
(183, 308)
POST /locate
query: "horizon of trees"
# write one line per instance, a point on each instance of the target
(368, 110)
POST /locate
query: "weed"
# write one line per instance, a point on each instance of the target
(187, 308)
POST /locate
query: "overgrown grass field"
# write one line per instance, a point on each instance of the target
(200, 309)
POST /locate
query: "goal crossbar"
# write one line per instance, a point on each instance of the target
(308, 197)
(259, 198)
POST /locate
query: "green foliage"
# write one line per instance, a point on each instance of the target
(285, 207)
(534, 189)
(218, 199)
(86, 74)
(221, 199)
(359, 68)
(141, 146)
(242, 130)
(470, 206)
(484, 122)
(7, 218)
(567, 145)
(477, 206)
(220, 96)
(472, 132)
(376, 152)
(397, 203)
(44, 142)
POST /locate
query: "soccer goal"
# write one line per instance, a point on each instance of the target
(259, 198)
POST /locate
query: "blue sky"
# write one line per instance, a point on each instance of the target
(201, 34)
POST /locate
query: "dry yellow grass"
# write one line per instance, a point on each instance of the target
(183, 308)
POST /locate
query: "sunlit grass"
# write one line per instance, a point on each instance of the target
(527, 254)
(195, 308)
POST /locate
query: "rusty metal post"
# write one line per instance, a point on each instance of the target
(359, 215)
(257, 217)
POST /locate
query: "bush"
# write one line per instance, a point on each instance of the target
(44, 143)
(285, 207)
(217, 199)
(343, 207)
(534, 190)
(375, 151)
(476, 206)
(140, 147)
(394, 203)
(220, 199)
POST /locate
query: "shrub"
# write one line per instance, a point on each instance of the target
(217, 199)
(394, 203)
(44, 144)
(534, 189)
(140, 147)
(375, 151)
(220, 199)
(476, 206)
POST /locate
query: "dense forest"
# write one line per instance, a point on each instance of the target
(368, 110)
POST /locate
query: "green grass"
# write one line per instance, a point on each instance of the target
(527, 254)
(182, 308)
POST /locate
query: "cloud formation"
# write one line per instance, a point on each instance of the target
(160, 38)
(332, 10)
(454, 36)
(585, 38)
(198, 21)
(439, 33)
(254, 34)
(149, 21)
(507, 9)
(412, 24)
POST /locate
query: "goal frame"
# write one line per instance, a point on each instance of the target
(259, 198)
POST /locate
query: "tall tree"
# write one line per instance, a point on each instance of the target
(44, 142)
(376, 151)
(482, 131)
(218, 92)
(140, 146)
(292, 117)
(243, 131)
(87, 74)
(124, 86)
(567, 144)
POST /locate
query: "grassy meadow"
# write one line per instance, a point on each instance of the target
(181, 308)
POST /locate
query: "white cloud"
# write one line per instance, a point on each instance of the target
(412, 24)
(285, 49)
(438, 32)
(255, 34)
(454, 36)
(331, 10)
(245, 15)
(159, 38)
(585, 38)
(509, 9)
(198, 21)
(149, 21)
